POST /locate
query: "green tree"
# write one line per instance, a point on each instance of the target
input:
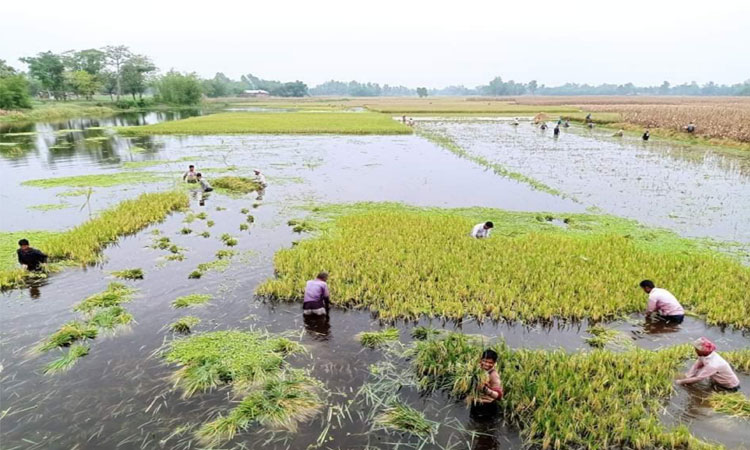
(82, 83)
(532, 87)
(135, 75)
(116, 57)
(108, 83)
(179, 89)
(91, 60)
(49, 69)
(290, 89)
(422, 92)
(14, 88)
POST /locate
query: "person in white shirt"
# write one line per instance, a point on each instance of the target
(711, 366)
(260, 178)
(191, 176)
(663, 303)
(482, 230)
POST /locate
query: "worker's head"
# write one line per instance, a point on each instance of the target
(323, 276)
(24, 244)
(703, 347)
(647, 286)
(489, 359)
(488, 225)
(191, 168)
(256, 171)
(198, 175)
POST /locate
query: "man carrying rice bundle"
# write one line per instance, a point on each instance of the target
(711, 366)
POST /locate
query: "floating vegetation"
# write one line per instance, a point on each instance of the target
(373, 339)
(223, 254)
(67, 334)
(175, 257)
(49, 206)
(242, 358)
(202, 216)
(184, 324)
(111, 317)
(74, 192)
(114, 295)
(97, 180)
(241, 185)
(162, 243)
(275, 123)
(593, 400)
(174, 248)
(66, 361)
(250, 218)
(219, 265)
(280, 404)
(210, 223)
(421, 332)
(228, 240)
(601, 335)
(191, 300)
(244, 210)
(194, 275)
(383, 259)
(189, 217)
(220, 208)
(185, 230)
(401, 417)
(301, 225)
(244, 227)
(129, 274)
(732, 403)
(205, 234)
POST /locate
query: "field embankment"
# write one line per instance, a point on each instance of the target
(47, 112)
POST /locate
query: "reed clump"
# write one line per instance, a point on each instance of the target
(406, 262)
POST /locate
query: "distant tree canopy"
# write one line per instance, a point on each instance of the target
(356, 89)
(179, 89)
(422, 92)
(14, 88)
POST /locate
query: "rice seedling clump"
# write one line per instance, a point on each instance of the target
(114, 295)
(373, 339)
(111, 317)
(734, 404)
(66, 361)
(184, 324)
(129, 274)
(401, 417)
(240, 185)
(69, 333)
(594, 400)
(242, 358)
(191, 300)
(404, 262)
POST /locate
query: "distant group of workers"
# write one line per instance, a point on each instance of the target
(407, 121)
(191, 176)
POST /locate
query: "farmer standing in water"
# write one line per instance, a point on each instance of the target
(317, 299)
(30, 258)
(489, 392)
(711, 366)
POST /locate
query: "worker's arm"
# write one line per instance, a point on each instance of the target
(184, 176)
(42, 256)
(326, 295)
(493, 388)
(651, 306)
(697, 374)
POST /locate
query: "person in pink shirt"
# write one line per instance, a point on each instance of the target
(663, 303)
(317, 299)
(711, 366)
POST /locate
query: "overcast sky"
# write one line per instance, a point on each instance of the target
(415, 43)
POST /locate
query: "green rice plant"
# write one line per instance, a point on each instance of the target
(191, 300)
(184, 324)
(244, 226)
(244, 210)
(301, 225)
(162, 243)
(110, 317)
(732, 403)
(241, 185)
(66, 361)
(280, 404)
(592, 400)
(224, 254)
(175, 257)
(174, 248)
(189, 218)
(220, 208)
(96, 180)
(218, 265)
(422, 333)
(373, 339)
(601, 336)
(276, 123)
(403, 418)
(202, 215)
(228, 240)
(68, 334)
(205, 234)
(209, 223)
(114, 295)
(242, 358)
(195, 274)
(408, 262)
(739, 359)
(250, 218)
(185, 230)
(129, 274)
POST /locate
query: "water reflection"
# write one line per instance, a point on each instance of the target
(318, 327)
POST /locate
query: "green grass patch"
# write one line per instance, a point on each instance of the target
(373, 339)
(240, 185)
(54, 111)
(184, 324)
(97, 180)
(276, 123)
(48, 206)
(240, 358)
(74, 192)
(408, 262)
(129, 274)
(191, 300)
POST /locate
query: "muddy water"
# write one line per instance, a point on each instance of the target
(693, 190)
(119, 396)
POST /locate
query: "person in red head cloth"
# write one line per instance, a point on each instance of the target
(711, 366)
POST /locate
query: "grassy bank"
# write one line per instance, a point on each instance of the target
(82, 244)
(404, 262)
(44, 112)
(276, 123)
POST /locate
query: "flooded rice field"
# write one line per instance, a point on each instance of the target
(120, 396)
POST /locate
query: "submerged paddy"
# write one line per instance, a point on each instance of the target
(126, 386)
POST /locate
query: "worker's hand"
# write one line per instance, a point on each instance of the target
(24, 266)
(679, 382)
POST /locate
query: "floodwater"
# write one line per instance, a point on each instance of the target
(119, 396)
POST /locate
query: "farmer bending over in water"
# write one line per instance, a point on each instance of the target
(260, 178)
(190, 176)
(646, 135)
(662, 302)
(29, 257)
(490, 391)
(204, 183)
(690, 128)
(482, 230)
(619, 133)
(317, 297)
(711, 365)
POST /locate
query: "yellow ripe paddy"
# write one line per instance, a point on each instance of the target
(277, 123)
(403, 262)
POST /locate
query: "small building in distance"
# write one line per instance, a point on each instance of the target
(254, 93)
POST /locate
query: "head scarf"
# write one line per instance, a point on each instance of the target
(704, 345)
